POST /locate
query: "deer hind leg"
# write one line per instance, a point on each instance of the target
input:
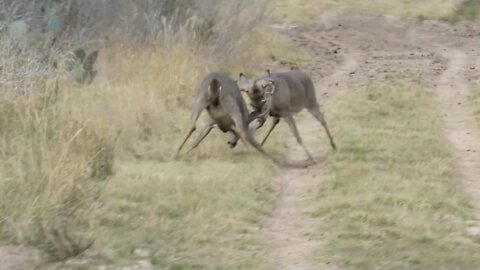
(233, 139)
(319, 116)
(206, 130)
(245, 134)
(293, 128)
(253, 125)
(247, 137)
(192, 129)
(199, 106)
(274, 124)
(238, 132)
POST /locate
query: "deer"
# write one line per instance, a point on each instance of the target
(280, 95)
(220, 96)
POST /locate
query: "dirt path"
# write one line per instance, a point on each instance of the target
(460, 127)
(291, 227)
(352, 51)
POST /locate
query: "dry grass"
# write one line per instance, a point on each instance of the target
(60, 146)
(50, 163)
(191, 214)
(389, 198)
(301, 10)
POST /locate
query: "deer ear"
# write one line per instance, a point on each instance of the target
(243, 82)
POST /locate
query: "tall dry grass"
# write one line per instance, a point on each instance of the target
(59, 141)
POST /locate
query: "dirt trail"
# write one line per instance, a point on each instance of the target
(352, 51)
(290, 227)
(460, 127)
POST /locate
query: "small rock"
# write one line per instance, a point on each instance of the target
(141, 252)
(144, 265)
(475, 231)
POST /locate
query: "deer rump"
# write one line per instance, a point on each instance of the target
(223, 102)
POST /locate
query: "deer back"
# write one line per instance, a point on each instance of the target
(300, 88)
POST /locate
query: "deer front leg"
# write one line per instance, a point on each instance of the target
(206, 130)
(274, 124)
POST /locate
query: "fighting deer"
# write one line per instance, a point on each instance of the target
(280, 95)
(221, 97)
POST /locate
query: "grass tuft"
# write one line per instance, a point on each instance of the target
(466, 10)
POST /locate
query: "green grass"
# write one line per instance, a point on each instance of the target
(302, 10)
(389, 198)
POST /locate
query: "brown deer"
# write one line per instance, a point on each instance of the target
(280, 95)
(221, 97)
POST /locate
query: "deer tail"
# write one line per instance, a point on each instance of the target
(213, 93)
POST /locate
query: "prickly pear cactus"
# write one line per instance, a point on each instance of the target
(54, 25)
(18, 29)
(80, 66)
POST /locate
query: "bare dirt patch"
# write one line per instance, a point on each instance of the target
(460, 127)
(290, 228)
